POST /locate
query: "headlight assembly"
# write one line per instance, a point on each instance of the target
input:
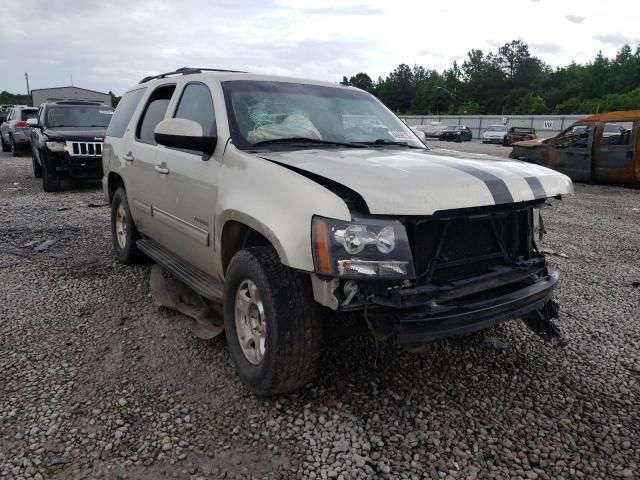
(56, 146)
(363, 248)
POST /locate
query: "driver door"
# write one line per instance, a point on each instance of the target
(571, 152)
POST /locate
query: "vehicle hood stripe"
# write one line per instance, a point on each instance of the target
(397, 181)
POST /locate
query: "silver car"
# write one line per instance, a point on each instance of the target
(289, 202)
(15, 132)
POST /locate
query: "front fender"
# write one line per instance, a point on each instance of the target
(275, 201)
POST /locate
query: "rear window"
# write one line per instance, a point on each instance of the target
(27, 114)
(124, 112)
(80, 116)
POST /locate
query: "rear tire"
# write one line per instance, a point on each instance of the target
(124, 233)
(283, 323)
(50, 178)
(14, 148)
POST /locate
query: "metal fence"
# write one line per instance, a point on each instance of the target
(545, 125)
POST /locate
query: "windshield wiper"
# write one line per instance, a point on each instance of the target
(309, 141)
(384, 142)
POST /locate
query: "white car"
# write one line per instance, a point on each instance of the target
(494, 134)
(292, 201)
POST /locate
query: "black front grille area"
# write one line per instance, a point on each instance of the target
(448, 248)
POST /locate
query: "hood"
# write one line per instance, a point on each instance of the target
(85, 134)
(422, 182)
(531, 143)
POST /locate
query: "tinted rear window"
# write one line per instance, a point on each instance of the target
(80, 116)
(123, 113)
(27, 114)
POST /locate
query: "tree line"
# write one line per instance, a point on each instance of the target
(510, 81)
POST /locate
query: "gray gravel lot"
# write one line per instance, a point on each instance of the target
(96, 382)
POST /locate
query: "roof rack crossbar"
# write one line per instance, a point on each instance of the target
(187, 71)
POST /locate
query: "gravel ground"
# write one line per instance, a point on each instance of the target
(96, 382)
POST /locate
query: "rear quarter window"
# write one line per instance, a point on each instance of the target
(124, 112)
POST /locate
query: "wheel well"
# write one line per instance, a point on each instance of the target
(237, 236)
(114, 182)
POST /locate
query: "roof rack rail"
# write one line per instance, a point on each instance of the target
(187, 71)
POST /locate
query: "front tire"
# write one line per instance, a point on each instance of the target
(272, 322)
(37, 168)
(51, 181)
(124, 233)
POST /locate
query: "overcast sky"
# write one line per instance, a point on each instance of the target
(111, 44)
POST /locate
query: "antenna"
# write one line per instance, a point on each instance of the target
(71, 77)
(26, 77)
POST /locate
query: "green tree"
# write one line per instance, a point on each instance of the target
(531, 104)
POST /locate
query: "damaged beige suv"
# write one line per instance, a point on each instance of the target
(290, 201)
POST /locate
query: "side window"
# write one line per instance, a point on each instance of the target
(618, 133)
(124, 112)
(154, 113)
(196, 104)
(576, 136)
(10, 116)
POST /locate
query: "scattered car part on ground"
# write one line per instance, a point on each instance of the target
(519, 134)
(603, 148)
(445, 247)
(456, 133)
(494, 134)
(15, 131)
(66, 141)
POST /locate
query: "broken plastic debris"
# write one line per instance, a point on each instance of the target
(44, 246)
(30, 244)
(554, 253)
(173, 294)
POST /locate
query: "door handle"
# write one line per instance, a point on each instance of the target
(128, 157)
(161, 169)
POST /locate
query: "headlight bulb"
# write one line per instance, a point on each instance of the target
(354, 238)
(386, 240)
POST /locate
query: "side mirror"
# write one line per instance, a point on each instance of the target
(184, 134)
(33, 122)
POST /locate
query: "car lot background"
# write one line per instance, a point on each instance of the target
(99, 383)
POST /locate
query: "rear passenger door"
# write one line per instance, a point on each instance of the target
(614, 155)
(189, 183)
(140, 162)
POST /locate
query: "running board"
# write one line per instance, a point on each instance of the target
(200, 282)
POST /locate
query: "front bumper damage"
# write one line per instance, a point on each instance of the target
(425, 312)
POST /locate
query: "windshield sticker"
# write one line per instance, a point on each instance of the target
(106, 112)
(400, 135)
